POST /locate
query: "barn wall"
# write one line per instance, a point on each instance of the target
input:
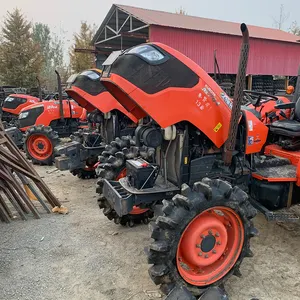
(267, 57)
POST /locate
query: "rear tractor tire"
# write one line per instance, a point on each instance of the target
(202, 237)
(112, 166)
(39, 144)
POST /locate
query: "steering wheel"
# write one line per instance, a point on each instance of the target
(256, 97)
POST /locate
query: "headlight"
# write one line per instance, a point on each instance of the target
(23, 115)
(147, 52)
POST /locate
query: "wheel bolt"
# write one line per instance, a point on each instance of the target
(202, 236)
(214, 251)
(200, 254)
(217, 234)
(198, 246)
(206, 256)
(218, 243)
(210, 232)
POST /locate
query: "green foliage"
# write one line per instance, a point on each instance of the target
(21, 58)
(83, 40)
(51, 47)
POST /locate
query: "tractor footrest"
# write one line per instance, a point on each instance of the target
(118, 197)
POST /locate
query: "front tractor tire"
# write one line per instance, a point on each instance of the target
(202, 237)
(112, 166)
(39, 144)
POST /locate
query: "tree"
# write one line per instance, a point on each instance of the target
(83, 40)
(51, 47)
(295, 29)
(181, 11)
(42, 37)
(278, 23)
(20, 57)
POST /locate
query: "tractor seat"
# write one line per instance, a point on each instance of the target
(290, 128)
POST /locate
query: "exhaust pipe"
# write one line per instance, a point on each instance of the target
(61, 110)
(238, 97)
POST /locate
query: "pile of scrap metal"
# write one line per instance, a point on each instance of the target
(19, 184)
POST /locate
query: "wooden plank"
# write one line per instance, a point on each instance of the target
(13, 162)
(3, 214)
(20, 191)
(5, 206)
(15, 204)
(38, 180)
(12, 165)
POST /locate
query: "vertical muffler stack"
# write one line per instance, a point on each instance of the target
(238, 97)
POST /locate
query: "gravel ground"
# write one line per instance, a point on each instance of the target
(82, 255)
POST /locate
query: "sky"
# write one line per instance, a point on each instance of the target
(64, 16)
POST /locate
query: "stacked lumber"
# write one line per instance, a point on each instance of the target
(15, 174)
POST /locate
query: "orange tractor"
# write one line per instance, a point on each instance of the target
(43, 123)
(111, 128)
(214, 162)
(14, 103)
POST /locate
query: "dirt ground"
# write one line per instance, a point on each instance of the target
(82, 255)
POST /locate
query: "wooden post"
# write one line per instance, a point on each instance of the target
(287, 79)
(249, 86)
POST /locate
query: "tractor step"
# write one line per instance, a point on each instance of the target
(274, 216)
(276, 173)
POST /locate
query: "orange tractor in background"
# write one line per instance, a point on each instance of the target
(14, 103)
(214, 161)
(43, 123)
(111, 130)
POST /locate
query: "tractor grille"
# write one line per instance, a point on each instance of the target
(30, 120)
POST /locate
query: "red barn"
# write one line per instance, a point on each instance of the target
(272, 51)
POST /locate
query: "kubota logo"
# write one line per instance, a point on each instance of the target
(52, 107)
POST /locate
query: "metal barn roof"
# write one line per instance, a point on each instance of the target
(161, 18)
(272, 51)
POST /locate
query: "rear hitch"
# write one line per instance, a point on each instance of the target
(74, 155)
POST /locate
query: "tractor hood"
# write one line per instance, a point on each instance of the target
(87, 90)
(156, 80)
